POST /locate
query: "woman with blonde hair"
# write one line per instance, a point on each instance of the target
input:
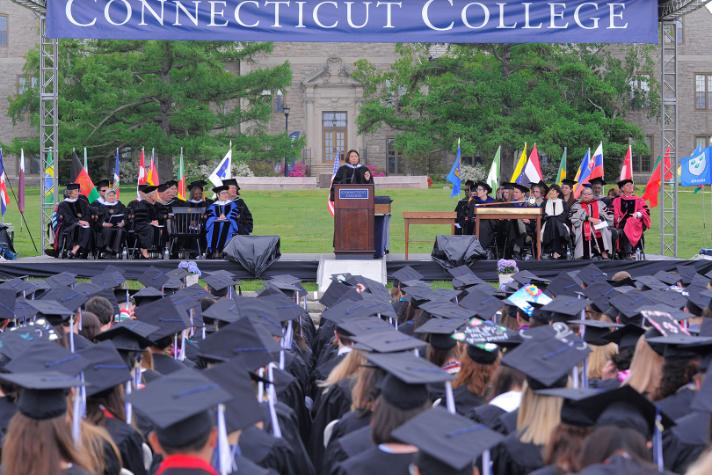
(646, 367)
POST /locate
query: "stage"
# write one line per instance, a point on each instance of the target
(304, 266)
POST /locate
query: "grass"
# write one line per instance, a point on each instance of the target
(302, 220)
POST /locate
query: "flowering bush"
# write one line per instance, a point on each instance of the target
(375, 171)
(507, 266)
(298, 170)
(190, 266)
(241, 169)
(476, 173)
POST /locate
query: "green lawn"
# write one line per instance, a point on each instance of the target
(304, 224)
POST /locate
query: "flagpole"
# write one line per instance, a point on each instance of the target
(22, 214)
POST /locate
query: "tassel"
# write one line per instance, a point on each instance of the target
(175, 347)
(261, 385)
(71, 333)
(225, 460)
(658, 442)
(486, 463)
(127, 404)
(281, 360)
(76, 419)
(181, 355)
(271, 400)
(575, 377)
(449, 398)
(79, 319)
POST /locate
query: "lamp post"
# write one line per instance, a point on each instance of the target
(286, 129)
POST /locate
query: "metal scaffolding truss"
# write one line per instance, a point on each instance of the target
(674, 9)
(668, 91)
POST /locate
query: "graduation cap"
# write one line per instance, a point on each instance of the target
(166, 315)
(483, 288)
(698, 300)
(626, 336)
(569, 182)
(69, 298)
(242, 410)
(47, 356)
(363, 326)
(51, 310)
(178, 406)
(447, 443)
(262, 308)
(420, 294)
(153, 277)
(440, 331)
(687, 273)
(196, 184)
(102, 182)
(373, 287)
(506, 185)
(286, 282)
(591, 274)
(573, 413)
(244, 339)
(405, 274)
(219, 283)
(650, 282)
(147, 188)
(20, 286)
(546, 361)
(8, 297)
(669, 278)
(626, 408)
(483, 305)
(285, 307)
(106, 368)
(44, 394)
(479, 332)
(230, 182)
(224, 310)
(563, 284)
(520, 187)
(564, 308)
(15, 341)
(527, 298)
(681, 346)
(700, 281)
(447, 310)
(109, 280)
(178, 273)
(146, 295)
(596, 332)
(629, 305)
(390, 341)
(463, 277)
(665, 322)
(669, 298)
(599, 295)
(356, 309)
(335, 291)
(65, 279)
(129, 335)
(525, 277)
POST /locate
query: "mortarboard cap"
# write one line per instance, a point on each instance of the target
(569, 182)
(102, 182)
(218, 189)
(373, 287)
(447, 310)
(242, 410)
(698, 300)
(69, 298)
(409, 368)
(597, 331)
(591, 274)
(563, 284)
(109, 280)
(153, 277)
(669, 278)
(166, 315)
(564, 308)
(19, 286)
(106, 368)
(599, 295)
(624, 182)
(626, 336)
(51, 310)
(72, 186)
(146, 295)
(406, 274)
(669, 298)
(687, 273)
(573, 413)
(440, 326)
(63, 278)
(129, 335)
(525, 277)
(520, 187)
(8, 297)
(448, 443)
(389, 341)
(363, 326)
(178, 406)
(649, 282)
(147, 188)
(335, 291)
(230, 182)
(286, 282)
(546, 361)
(220, 282)
(44, 395)
(483, 305)
(527, 298)
(250, 342)
(629, 305)
(224, 310)
(45, 356)
(196, 184)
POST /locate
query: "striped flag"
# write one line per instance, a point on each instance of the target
(224, 169)
(561, 174)
(152, 177)
(329, 203)
(21, 183)
(181, 177)
(531, 173)
(4, 197)
(81, 176)
(117, 175)
(520, 165)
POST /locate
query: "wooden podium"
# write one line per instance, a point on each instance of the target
(353, 220)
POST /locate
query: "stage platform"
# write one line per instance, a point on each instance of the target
(305, 266)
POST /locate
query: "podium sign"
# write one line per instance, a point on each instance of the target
(353, 219)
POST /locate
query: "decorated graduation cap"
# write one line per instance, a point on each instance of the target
(389, 341)
(547, 361)
(129, 335)
(44, 394)
(106, 368)
(482, 304)
(178, 405)
(528, 298)
(448, 443)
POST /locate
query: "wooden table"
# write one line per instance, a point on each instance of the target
(494, 212)
(426, 217)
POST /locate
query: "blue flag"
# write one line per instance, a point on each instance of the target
(454, 175)
(696, 170)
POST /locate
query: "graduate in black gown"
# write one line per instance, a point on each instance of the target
(74, 229)
(244, 216)
(222, 221)
(462, 217)
(197, 195)
(112, 216)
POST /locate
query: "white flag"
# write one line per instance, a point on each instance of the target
(223, 170)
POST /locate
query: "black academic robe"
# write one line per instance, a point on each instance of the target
(143, 213)
(179, 464)
(465, 401)
(290, 434)
(376, 461)
(462, 218)
(617, 465)
(677, 405)
(686, 441)
(268, 451)
(130, 444)
(547, 470)
(487, 414)
(110, 239)
(245, 224)
(69, 213)
(75, 470)
(219, 232)
(351, 435)
(334, 402)
(514, 457)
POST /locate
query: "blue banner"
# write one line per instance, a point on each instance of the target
(696, 169)
(431, 21)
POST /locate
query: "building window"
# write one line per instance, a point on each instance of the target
(703, 91)
(393, 158)
(279, 101)
(23, 84)
(334, 127)
(3, 31)
(702, 141)
(642, 163)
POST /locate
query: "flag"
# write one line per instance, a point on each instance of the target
(181, 177)
(329, 203)
(21, 183)
(4, 197)
(596, 164)
(627, 168)
(81, 176)
(652, 188)
(493, 175)
(520, 164)
(696, 170)
(86, 165)
(582, 173)
(454, 175)
(142, 175)
(532, 170)
(152, 177)
(48, 179)
(561, 174)
(117, 174)
(223, 170)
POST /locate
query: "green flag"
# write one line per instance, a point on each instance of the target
(561, 174)
(493, 176)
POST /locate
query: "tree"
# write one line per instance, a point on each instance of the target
(161, 94)
(492, 95)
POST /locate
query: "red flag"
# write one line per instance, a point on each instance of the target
(142, 176)
(627, 168)
(81, 176)
(21, 183)
(652, 188)
(152, 177)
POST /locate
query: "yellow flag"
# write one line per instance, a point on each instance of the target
(520, 165)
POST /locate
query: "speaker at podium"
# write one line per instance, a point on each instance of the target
(354, 208)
